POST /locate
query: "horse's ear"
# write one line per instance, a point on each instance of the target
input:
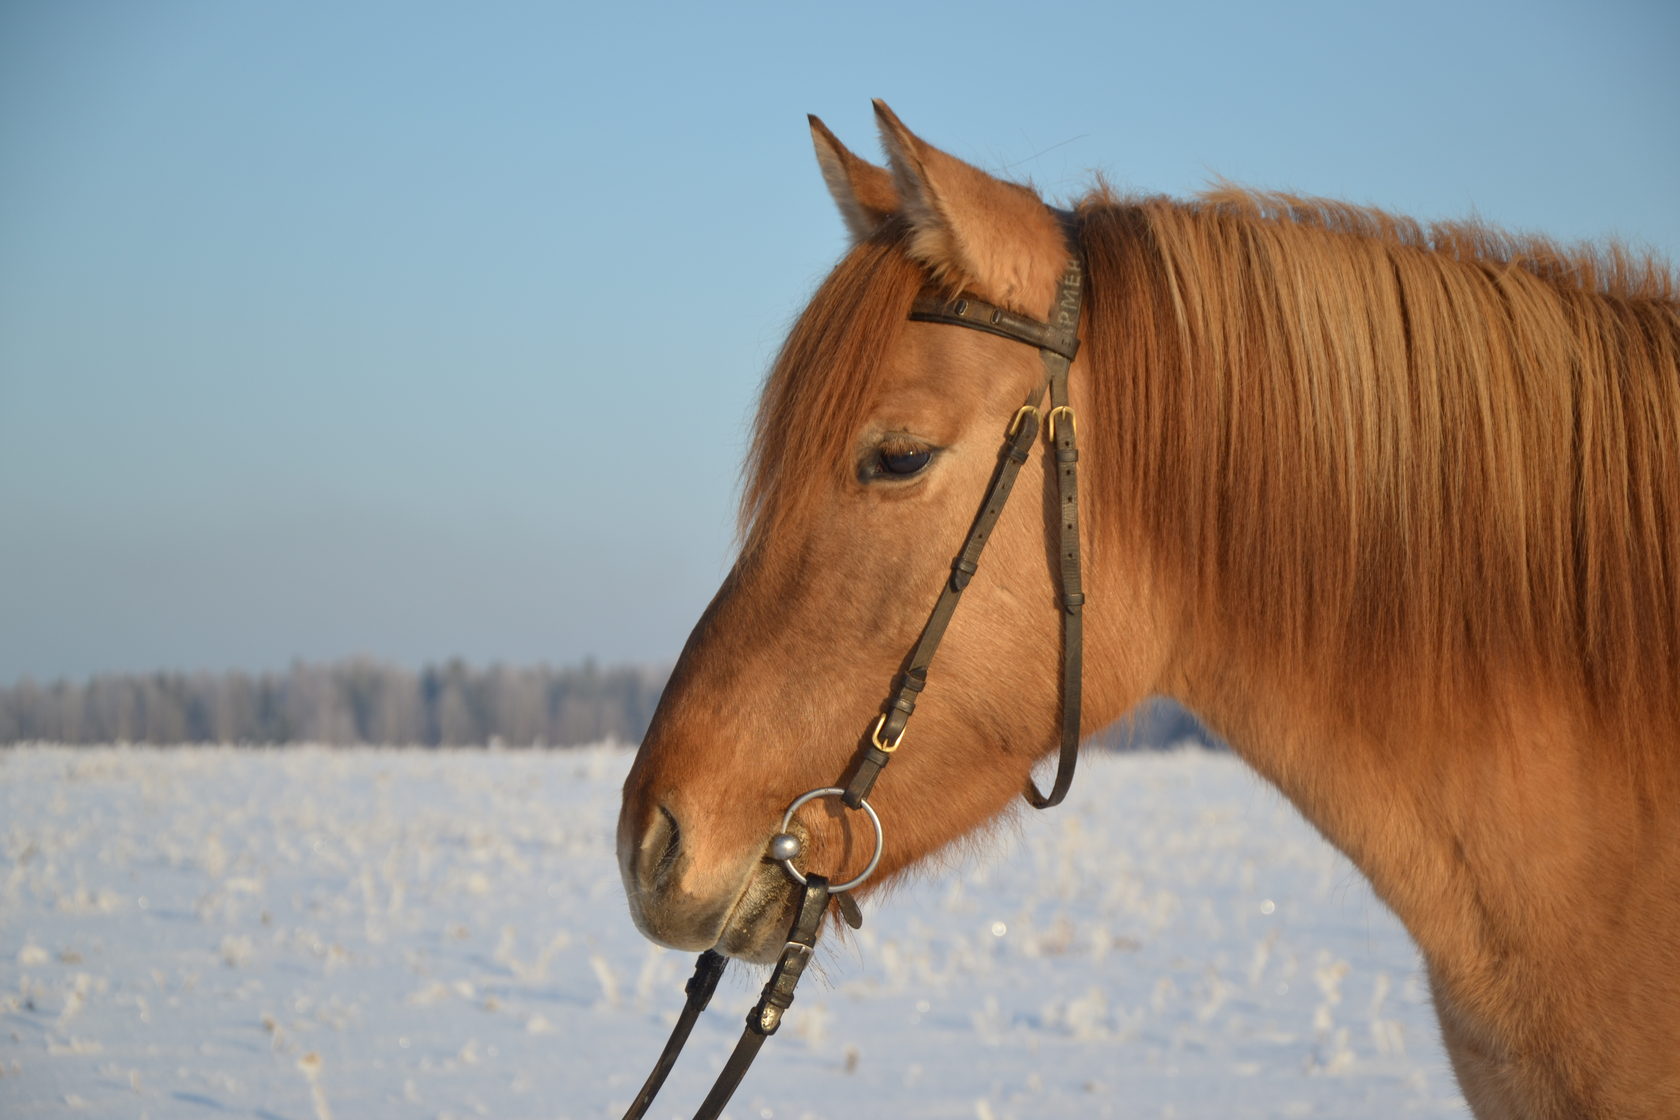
(865, 193)
(974, 230)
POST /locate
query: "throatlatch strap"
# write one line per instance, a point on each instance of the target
(1064, 440)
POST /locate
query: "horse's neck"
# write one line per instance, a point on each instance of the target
(1508, 845)
(1407, 803)
(1411, 802)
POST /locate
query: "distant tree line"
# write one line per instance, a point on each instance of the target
(365, 701)
(356, 701)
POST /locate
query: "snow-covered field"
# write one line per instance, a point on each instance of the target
(307, 933)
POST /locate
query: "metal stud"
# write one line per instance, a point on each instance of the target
(784, 845)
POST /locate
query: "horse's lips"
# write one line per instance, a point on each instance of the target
(748, 926)
(752, 927)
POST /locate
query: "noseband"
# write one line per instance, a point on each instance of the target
(1057, 341)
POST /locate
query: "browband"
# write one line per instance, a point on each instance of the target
(966, 311)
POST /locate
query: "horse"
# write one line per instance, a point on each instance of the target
(1394, 507)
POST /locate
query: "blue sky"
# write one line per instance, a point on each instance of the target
(417, 329)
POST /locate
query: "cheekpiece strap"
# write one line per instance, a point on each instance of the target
(1057, 341)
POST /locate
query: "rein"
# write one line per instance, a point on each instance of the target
(1057, 341)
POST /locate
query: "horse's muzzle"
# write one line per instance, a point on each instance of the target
(686, 898)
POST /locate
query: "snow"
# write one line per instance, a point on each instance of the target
(308, 933)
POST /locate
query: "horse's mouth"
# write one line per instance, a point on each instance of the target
(751, 926)
(755, 929)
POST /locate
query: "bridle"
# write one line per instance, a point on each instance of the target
(1057, 341)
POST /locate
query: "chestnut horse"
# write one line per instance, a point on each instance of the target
(1395, 508)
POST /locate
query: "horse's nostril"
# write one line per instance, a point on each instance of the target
(673, 843)
(660, 847)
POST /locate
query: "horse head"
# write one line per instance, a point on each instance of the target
(875, 439)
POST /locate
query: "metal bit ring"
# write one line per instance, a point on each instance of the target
(874, 820)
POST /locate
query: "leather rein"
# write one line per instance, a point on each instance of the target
(1057, 341)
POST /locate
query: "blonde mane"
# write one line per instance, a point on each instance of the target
(1415, 464)
(1412, 464)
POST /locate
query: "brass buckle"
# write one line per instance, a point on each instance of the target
(1020, 418)
(875, 736)
(1050, 422)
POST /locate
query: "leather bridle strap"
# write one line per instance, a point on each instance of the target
(965, 311)
(707, 970)
(889, 729)
(763, 1020)
(1057, 342)
(1064, 440)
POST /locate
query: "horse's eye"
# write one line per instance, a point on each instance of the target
(902, 463)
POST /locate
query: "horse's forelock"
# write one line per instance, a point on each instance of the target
(824, 379)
